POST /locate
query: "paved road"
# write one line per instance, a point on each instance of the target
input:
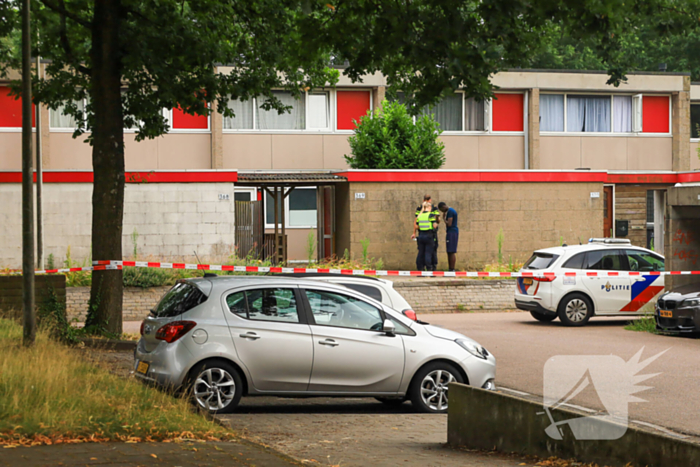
(354, 433)
(522, 346)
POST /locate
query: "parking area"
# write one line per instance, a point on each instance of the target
(522, 346)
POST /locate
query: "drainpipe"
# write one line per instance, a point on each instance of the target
(526, 128)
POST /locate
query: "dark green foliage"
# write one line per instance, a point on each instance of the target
(51, 316)
(390, 140)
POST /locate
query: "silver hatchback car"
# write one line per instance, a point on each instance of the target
(225, 337)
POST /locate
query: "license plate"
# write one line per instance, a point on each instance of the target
(527, 281)
(666, 314)
(142, 368)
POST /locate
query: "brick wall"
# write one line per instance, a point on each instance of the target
(458, 295)
(532, 216)
(11, 291)
(137, 302)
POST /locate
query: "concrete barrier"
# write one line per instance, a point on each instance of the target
(480, 419)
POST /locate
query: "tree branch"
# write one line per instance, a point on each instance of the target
(61, 9)
(65, 43)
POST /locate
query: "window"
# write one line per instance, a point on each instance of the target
(655, 114)
(540, 261)
(237, 304)
(474, 115)
(11, 115)
(265, 305)
(448, 112)
(551, 112)
(334, 309)
(644, 261)
(607, 260)
(622, 114)
(319, 115)
(180, 298)
(575, 262)
(243, 115)
(587, 114)
(302, 208)
(351, 106)
(371, 292)
(295, 119)
(59, 120)
(299, 205)
(694, 120)
(507, 112)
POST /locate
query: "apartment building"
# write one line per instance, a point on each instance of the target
(643, 135)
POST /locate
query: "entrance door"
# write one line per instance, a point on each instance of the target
(608, 211)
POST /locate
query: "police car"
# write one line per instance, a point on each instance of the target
(574, 299)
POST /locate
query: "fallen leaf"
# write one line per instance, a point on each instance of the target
(154, 456)
(93, 458)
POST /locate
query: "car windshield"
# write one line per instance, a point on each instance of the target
(540, 261)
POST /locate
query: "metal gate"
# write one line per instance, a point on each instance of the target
(250, 230)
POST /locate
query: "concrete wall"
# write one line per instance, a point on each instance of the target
(488, 420)
(532, 215)
(171, 221)
(11, 289)
(606, 152)
(682, 241)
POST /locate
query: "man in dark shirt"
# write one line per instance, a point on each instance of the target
(452, 234)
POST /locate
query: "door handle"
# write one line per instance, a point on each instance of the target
(250, 335)
(330, 342)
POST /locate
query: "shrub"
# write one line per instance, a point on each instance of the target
(391, 140)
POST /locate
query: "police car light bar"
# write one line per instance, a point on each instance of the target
(610, 241)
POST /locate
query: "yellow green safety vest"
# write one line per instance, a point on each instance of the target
(425, 221)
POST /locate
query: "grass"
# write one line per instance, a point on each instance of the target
(50, 394)
(646, 323)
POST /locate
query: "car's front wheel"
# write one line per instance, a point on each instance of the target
(429, 389)
(575, 310)
(216, 386)
(542, 317)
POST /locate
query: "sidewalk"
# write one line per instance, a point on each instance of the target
(184, 454)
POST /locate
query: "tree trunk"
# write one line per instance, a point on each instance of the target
(105, 311)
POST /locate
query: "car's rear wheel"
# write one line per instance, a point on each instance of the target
(216, 386)
(575, 310)
(390, 402)
(542, 317)
(429, 389)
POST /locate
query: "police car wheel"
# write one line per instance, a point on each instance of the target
(575, 310)
(542, 317)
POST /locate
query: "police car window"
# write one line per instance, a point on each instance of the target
(643, 261)
(540, 261)
(371, 292)
(607, 260)
(575, 262)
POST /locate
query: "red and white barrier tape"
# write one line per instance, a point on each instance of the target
(117, 264)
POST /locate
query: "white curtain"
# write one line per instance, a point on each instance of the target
(271, 120)
(473, 115)
(588, 114)
(57, 119)
(622, 114)
(447, 112)
(319, 113)
(243, 119)
(551, 112)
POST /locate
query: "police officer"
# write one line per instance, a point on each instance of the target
(425, 226)
(436, 219)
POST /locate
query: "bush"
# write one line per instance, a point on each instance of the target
(391, 140)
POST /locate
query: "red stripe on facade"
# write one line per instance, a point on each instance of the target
(213, 176)
(468, 176)
(643, 178)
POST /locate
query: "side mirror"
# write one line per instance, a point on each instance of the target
(388, 327)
